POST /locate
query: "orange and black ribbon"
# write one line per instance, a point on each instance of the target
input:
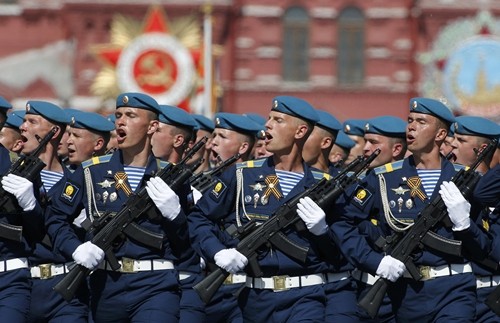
(121, 183)
(414, 185)
(272, 187)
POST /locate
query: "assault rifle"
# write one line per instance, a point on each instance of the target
(402, 245)
(254, 236)
(137, 205)
(28, 166)
(204, 181)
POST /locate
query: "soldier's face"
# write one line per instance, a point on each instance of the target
(357, 150)
(226, 143)
(81, 145)
(11, 139)
(62, 148)
(448, 146)
(374, 141)
(281, 130)
(163, 141)
(133, 126)
(33, 125)
(312, 147)
(465, 146)
(421, 132)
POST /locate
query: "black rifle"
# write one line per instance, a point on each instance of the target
(204, 181)
(136, 206)
(254, 236)
(28, 166)
(401, 246)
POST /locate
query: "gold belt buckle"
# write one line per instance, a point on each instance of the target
(229, 279)
(279, 283)
(425, 271)
(45, 271)
(127, 265)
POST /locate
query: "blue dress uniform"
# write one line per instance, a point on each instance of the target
(288, 290)
(192, 308)
(146, 286)
(447, 291)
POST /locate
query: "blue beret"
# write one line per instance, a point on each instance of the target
(432, 107)
(476, 126)
(257, 118)
(15, 119)
(137, 100)
(91, 121)
(176, 116)
(295, 107)
(355, 127)
(328, 121)
(261, 132)
(388, 126)
(4, 104)
(344, 141)
(47, 110)
(236, 122)
(451, 131)
(203, 122)
(111, 117)
(70, 112)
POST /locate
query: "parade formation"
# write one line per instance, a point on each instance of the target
(288, 217)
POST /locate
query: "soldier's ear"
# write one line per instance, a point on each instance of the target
(153, 127)
(302, 131)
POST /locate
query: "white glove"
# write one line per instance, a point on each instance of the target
(22, 189)
(231, 260)
(80, 218)
(88, 255)
(164, 198)
(312, 215)
(457, 205)
(390, 268)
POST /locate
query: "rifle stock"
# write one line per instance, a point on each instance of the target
(323, 192)
(434, 213)
(136, 206)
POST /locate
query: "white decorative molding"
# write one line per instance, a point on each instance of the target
(10, 10)
(268, 79)
(322, 80)
(403, 44)
(402, 76)
(322, 52)
(243, 73)
(262, 11)
(244, 42)
(377, 81)
(323, 13)
(268, 52)
(378, 52)
(149, 2)
(386, 13)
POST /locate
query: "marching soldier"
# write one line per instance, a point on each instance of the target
(254, 190)
(259, 148)
(355, 129)
(10, 134)
(145, 287)
(394, 196)
(204, 129)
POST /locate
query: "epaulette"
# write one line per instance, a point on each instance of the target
(13, 156)
(251, 163)
(360, 176)
(96, 160)
(389, 167)
(318, 175)
(459, 167)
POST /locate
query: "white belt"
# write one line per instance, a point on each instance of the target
(46, 271)
(429, 272)
(12, 264)
(235, 279)
(280, 283)
(487, 281)
(335, 277)
(131, 266)
(364, 277)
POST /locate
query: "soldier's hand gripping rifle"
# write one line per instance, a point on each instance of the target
(253, 237)
(28, 166)
(137, 205)
(203, 181)
(402, 245)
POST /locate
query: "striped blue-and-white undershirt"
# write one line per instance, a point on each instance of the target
(429, 178)
(134, 175)
(49, 178)
(288, 180)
